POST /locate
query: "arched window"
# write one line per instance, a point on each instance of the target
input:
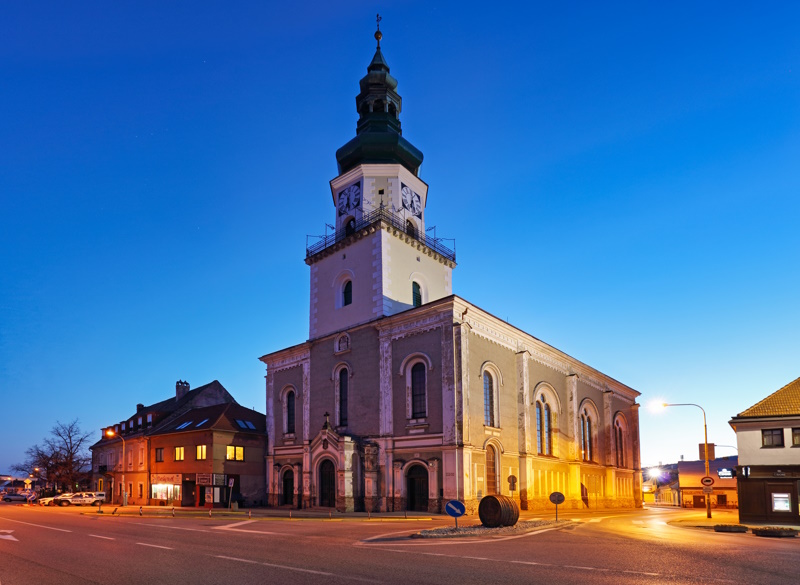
(586, 436)
(347, 293)
(416, 294)
(619, 443)
(491, 470)
(544, 427)
(350, 227)
(488, 400)
(418, 401)
(411, 229)
(290, 412)
(343, 376)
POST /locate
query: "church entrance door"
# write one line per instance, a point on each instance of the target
(288, 487)
(417, 489)
(327, 484)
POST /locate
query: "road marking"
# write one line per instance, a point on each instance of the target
(601, 569)
(595, 520)
(637, 522)
(234, 528)
(298, 569)
(37, 525)
(154, 546)
(445, 541)
(7, 535)
(177, 527)
(103, 537)
(278, 566)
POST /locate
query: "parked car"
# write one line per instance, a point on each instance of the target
(51, 500)
(80, 499)
(20, 497)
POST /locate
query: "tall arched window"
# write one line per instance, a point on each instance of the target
(418, 401)
(343, 376)
(488, 400)
(416, 294)
(539, 428)
(347, 293)
(548, 431)
(491, 470)
(290, 412)
(586, 436)
(411, 229)
(619, 440)
(544, 427)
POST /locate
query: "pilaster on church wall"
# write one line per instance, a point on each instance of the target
(572, 429)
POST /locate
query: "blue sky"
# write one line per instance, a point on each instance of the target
(621, 181)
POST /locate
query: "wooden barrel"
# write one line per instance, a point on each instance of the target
(498, 510)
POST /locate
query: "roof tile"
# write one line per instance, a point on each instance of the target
(783, 402)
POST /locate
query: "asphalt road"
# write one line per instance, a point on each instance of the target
(71, 546)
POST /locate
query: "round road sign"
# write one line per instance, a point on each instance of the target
(557, 498)
(707, 480)
(455, 508)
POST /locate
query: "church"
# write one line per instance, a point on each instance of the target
(405, 395)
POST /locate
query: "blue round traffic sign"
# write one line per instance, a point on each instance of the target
(455, 508)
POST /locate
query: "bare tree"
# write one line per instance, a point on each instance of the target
(62, 458)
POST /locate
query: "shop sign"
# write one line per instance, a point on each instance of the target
(165, 478)
(203, 479)
(726, 473)
(219, 479)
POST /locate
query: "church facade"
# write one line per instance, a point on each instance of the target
(405, 395)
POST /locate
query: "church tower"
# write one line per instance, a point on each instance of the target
(379, 261)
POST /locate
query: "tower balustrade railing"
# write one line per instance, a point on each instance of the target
(386, 216)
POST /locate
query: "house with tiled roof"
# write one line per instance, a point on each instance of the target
(124, 462)
(768, 438)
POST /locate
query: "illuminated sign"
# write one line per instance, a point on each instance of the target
(726, 473)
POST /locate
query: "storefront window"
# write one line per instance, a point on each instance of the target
(168, 492)
(781, 503)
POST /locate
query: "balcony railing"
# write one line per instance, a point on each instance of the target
(380, 214)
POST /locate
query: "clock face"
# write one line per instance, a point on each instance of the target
(411, 200)
(349, 198)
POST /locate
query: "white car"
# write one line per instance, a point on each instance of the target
(80, 499)
(51, 500)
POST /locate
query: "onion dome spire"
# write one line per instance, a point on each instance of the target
(378, 132)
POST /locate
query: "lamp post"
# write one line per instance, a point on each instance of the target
(111, 433)
(705, 443)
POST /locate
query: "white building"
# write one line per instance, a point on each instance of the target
(406, 395)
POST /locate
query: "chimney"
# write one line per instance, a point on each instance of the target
(181, 388)
(139, 408)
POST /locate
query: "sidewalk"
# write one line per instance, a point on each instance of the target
(699, 520)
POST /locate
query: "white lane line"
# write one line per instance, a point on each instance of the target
(154, 546)
(637, 522)
(349, 578)
(288, 568)
(176, 527)
(103, 537)
(231, 526)
(601, 569)
(37, 525)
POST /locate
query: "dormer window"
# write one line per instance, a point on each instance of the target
(123, 427)
(149, 419)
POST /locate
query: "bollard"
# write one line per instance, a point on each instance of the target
(330, 515)
(140, 510)
(115, 511)
(209, 512)
(173, 511)
(249, 514)
(369, 515)
(290, 514)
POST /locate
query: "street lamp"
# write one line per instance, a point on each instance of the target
(111, 433)
(705, 443)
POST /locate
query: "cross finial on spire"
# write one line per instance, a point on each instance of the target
(378, 33)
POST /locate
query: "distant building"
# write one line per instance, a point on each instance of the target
(406, 395)
(177, 451)
(768, 437)
(723, 493)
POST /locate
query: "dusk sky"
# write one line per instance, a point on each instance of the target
(621, 180)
